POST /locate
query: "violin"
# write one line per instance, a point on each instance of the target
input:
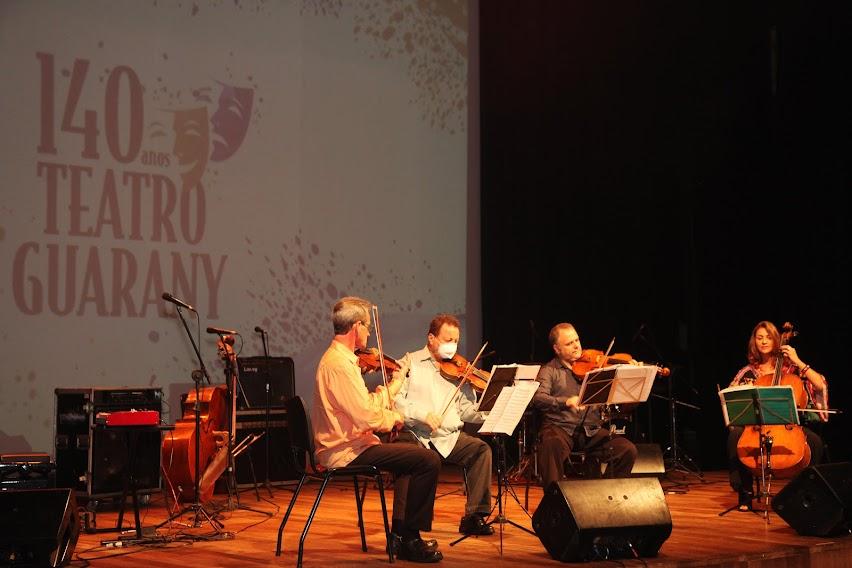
(455, 368)
(368, 360)
(790, 451)
(592, 359)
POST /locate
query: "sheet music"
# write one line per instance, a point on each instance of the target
(777, 402)
(527, 372)
(522, 372)
(509, 408)
(630, 383)
(638, 379)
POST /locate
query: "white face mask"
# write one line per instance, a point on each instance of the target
(447, 350)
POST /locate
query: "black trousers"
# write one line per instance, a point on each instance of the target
(555, 445)
(475, 455)
(421, 467)
(741, 478)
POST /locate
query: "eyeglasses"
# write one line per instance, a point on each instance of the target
(367, 325)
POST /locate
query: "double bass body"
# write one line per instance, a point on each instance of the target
(178, 450)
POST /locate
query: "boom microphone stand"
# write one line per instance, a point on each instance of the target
(196, 508)
(233, 384)
(264, 338)
(677, 459)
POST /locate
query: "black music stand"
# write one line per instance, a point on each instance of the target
(505, 402)
(616, 384)
(750, 406)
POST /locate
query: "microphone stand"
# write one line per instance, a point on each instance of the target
(197, 508)
(233, 383)
(265, 341)
(678, 460)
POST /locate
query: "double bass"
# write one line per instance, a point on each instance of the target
(790, 452)
(178, 450)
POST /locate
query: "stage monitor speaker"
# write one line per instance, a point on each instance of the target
(817, 502)
(38, 527)
(256, 372)
(600, 519)
(649, 461)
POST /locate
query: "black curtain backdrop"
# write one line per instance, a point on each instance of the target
(669, 174)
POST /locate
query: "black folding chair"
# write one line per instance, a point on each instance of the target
(301, 443)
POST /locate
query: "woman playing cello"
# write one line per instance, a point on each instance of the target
(764, 348)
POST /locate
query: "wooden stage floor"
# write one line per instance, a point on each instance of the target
(700, 537)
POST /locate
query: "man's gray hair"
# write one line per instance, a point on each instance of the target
(347, 311)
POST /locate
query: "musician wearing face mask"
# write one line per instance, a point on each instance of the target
(422, 401)
(565, 424)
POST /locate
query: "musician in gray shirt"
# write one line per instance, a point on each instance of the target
(565, 425)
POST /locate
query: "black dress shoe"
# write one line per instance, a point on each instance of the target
(430, 543)
(396, 542)
(744, 502)
(417, 550)
(475, 525)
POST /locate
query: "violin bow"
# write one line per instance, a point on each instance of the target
(470, 366)
(380, 345)
(605, 355)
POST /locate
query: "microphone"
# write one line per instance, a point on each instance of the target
(638, 333)
(169, 298)
(259, 329)
(220, 331)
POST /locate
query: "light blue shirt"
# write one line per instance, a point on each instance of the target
(425, 390)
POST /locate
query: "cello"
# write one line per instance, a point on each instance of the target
(790, 452)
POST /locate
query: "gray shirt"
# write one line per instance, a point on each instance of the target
(558, 384)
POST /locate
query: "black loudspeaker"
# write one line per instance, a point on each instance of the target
(257, 372)
(94, 461)
(598, 519)
(38, 527)
(280, 458)
(817, 502)
(27, 471)
(649, 461)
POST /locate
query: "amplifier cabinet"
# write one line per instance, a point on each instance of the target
(262, 376)
(94, 461)
(280, 457)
